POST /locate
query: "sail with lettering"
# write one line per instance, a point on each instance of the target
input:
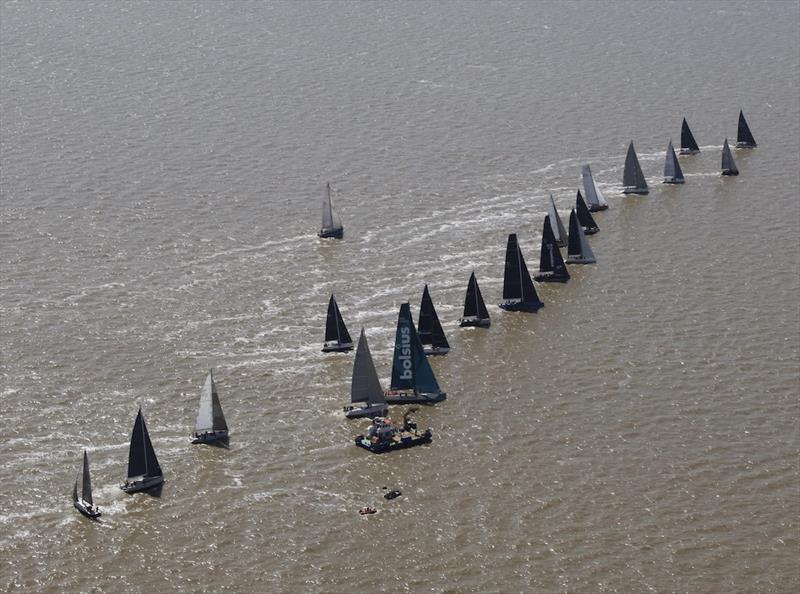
(475, 312)
(633, 181)
(337, 338)
(578, 249)
(413, 381)
(688, 143)
(331, 223)
(744, 138)
(210, 426)
(672, 169)
(429, 327)
(144, 471)
(366, 395)
(585, 218)
(551, 265)
(594, 197)
(519, 294)
(559, 232)
(728, 164)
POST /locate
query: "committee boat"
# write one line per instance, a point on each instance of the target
(585, 218)
(331, 223)
(672, 169)
(578, 249)
(337, 338)
(728, 164)
(366, 395)
(744, 138)
(688, 143)
(85, 503)
(633, 181)
(210, 426)
(413, 381)
(594, 197)
(384, 435)
(475, 312)
(430, 331)
(144, 472)
(519, 294)
(551, 265)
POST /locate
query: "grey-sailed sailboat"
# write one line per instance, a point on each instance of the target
(594, 197)
(331, 223)
(429, 328)
(744, 138)
(688, 143)
(144, 472)
(672, 169)
(728, 164)
(551, 265)
(578, 249)
(475, 312)
(210, 426)
(366, 394)
(559, 232)
(633, 181)
(85, 503)
(337, 338)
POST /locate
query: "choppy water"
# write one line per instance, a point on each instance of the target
(162, 165)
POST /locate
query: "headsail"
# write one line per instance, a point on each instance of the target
(550, 259)
(728, 164)
(559, 233)
(142, 459)
(86, 489)
(335, 329)
(474, 305)
(672, 169)
(744, 138)
(578, 249)
(633, 179)
(429, 327)
(410, 367)
(517, 283)
(366, 387)
(594, 198)
(585, 218)
(210, 417)
(688, 143)
(331, 223)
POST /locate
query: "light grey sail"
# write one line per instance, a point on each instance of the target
(86, 491)
(672, 168)
(556, 225)
(210, 417)
(366, 386)
(331, 222)
(594, 198)
(633, 179)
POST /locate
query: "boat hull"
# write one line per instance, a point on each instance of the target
(672, 180)
(434, 351)
(597, 207)
(356, 412)
(145, 484)
(331, 234)
(590, 230)
(475, 322)
(212, 437)
(686, 151)
(550, 278)
(337, 347)
(92, 515)
(746, 145)
(524, 306)
(579, 260)
(389, 446)
(414, 398)
(728, 172)
(639, 191)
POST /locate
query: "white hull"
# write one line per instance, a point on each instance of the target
(376, 410)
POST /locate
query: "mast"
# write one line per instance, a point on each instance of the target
(585, 218)
(633, 178)
(672, 169)
(86, 488)
(410, 367)
(744, 138)
(365, 387)
(429, 327)
(688, 143)
(559, 233)
(728, 164)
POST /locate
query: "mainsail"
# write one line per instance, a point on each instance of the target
(633, 178)
(366, 387)
(210, 417)
(517, 283)
(585, 218)
(728, 164)
(142, 461)
(672, 169)
(86, 489)
(559, 233)
(331, 223)
(335, 329)
(578, 249)
(429, 327)
(688, 143)
(594, 198)
(410, 367)
(550, 259)
(474, 305)
(744, 138)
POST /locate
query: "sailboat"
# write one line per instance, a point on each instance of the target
(585, 218)
(413, 381)
(559, 233)
(337, 338)
(85, 503)
(633, 181)
(728, 164)
(210, 426)
(688, 143)
(331, 223)
(518, 290)
(475, 312)
(431, 334)
(594, 197)
(551, 264)
(578, 249)
(144, 471)
(744, 138)
(365, 389)
(672, 169)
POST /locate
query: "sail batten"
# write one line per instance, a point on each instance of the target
(633, 179)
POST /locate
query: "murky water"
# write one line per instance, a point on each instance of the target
(162, 165)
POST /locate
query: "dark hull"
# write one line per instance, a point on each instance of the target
(354, 412)
(590, 230)
(412, 398)
(337, 348)
(526, 306)
(433, 351)
(639, 191)
(214, 438)
(673, 181)
(92, 515)
(729, 172)
(146, 484)
(597, 207)
(550, 278)
(331, 234)
(686, 151)
(746, 145)
(475, 322)
(390, 446)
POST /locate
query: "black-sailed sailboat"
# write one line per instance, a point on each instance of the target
(331, 223)
(519, 294)
(728, 164)
(578, 249)
(144, 472)
(585, 218)
(429, 328)
(85, 503)
(559, 232)
(210, 426)
(633, 181)
(672, 169)
(551, 265)
(366, 395)
(594, 197)
(744, 138)
(337, 338)
(688, 143)
(475, 312)
(413, 381)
